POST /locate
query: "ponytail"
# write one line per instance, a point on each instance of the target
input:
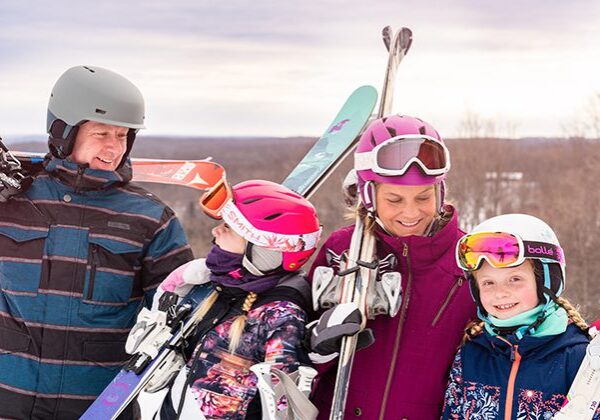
(206, 305)
(237, 327)
(573, 313)
(474, 328)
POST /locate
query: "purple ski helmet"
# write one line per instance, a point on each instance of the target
(400, 150)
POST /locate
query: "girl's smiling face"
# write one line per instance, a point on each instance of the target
(506, 292)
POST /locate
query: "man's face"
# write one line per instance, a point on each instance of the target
(100, 145)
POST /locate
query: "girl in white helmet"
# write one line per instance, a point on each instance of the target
(520, 359)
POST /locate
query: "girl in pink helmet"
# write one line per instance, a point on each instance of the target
(401, 163)
(258, 309)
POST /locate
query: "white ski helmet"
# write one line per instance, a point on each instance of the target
(90, 93)
(537, 241)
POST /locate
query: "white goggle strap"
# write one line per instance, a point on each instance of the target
(364, 161)
(270, 240)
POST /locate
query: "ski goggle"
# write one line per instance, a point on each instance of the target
(213, 200)
(501, 249)
(393, 157)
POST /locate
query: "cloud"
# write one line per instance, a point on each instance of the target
(284, 68)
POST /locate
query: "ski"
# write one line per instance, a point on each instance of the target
(131, 380)
(359, 271)
(320, 161)
(197, 174)
(398, 48)
(584, 396)
(386, 34)
(335, 144)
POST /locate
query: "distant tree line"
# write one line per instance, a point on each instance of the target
(554, 179)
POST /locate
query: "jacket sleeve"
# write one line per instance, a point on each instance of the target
(167, 250)
(453, 400)
(286, 326)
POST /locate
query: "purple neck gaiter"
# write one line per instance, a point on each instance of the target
(226, 270)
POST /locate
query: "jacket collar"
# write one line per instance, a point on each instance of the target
(532, 347)
(82, 178)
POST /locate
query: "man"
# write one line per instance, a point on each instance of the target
(80, 252)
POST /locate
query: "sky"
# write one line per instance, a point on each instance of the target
(284, 68)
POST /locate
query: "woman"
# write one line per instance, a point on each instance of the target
(401, 163)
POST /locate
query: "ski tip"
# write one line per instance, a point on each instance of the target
(365, 88)
(406, 37)
(386, 34)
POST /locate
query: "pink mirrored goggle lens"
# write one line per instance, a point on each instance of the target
(499, 249)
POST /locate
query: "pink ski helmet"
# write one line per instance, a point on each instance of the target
(274, 217)
(400, 150)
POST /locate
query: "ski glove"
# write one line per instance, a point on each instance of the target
(343, 320)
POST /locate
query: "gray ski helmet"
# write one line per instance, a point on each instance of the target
(90, 93)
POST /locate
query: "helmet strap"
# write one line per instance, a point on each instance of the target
(368, 196)
(381, 225)
(247, 261)
(440, 193)
(130, 139)
(62, 138)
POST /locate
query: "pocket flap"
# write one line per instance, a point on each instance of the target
(23, 234)
(13, 341)
(115, 244)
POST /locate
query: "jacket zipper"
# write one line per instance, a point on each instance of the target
(403, 311)
(515, 357)
(455, 286)
(80, 172)
(93, 264)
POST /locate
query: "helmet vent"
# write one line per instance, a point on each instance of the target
(89, 69)
(392, 132)
(251, 200)
(422, 130)
(272, 216)
(100, 111)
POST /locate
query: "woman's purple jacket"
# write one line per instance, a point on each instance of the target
(403, 375)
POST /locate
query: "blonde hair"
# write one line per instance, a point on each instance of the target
(474, 328)
(238, 324)
(572, 313)
(360, 210)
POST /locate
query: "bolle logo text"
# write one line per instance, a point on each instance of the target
(540, 250)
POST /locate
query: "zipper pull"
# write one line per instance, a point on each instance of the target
(94, 249)
(80, 171)
(405, 250)
(514, 351)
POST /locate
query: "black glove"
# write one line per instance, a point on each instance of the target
(335, 323)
